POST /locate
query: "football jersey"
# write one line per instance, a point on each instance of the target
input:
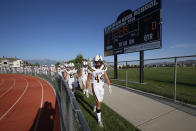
(84, 72)
(71, 75)
(53, 69)
(97, 75)
(65, 71)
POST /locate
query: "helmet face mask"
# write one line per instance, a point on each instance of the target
(98, 64)
(98, 61)
(85, 64)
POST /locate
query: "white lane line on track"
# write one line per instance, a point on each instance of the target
(37, 120)
(5, 82)
(16, 100)
(8, 89)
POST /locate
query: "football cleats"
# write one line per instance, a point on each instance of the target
(100, 124)
(110, 89)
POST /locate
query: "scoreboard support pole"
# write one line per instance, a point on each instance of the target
(115, 66)
(141, 66)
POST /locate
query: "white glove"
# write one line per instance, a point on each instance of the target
(110, 89)
(84, 91)
(87, 95)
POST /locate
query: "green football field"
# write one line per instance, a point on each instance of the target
(160, 81)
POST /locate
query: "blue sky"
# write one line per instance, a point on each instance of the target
(61, 29)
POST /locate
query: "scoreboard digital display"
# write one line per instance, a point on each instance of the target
(134, 31)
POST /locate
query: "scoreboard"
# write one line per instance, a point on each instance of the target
(134, 31)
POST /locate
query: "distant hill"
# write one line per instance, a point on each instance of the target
(42, 61)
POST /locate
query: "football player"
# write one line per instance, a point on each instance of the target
(72, 77)
(96, 76)
(83, 76)
(66, 69)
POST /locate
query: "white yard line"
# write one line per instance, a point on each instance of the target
(16, 101)
(8, 89)
(37, 120)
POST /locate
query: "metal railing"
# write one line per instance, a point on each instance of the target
(171, 77)
(70, 115)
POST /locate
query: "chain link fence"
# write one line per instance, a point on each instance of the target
(172, 77)
(70, 115)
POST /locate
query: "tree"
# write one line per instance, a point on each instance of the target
(25, 63)
(79, 59)
(72, 61)
(57, 64)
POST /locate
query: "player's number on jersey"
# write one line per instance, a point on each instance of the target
(71, 75)
(98, 79)
(85, 72)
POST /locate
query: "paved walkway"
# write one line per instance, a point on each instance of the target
(148, 114)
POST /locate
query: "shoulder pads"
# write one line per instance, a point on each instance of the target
(89, 68)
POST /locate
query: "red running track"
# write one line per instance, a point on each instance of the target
(27, 103)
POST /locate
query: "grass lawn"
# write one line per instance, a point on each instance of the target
(111, 120)
(160, 81)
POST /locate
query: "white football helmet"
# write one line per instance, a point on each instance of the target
(71, 64)
(90, 59)
(66, 65)
(61, 66)
(98, 61)
(85, 63)
(98, 58)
